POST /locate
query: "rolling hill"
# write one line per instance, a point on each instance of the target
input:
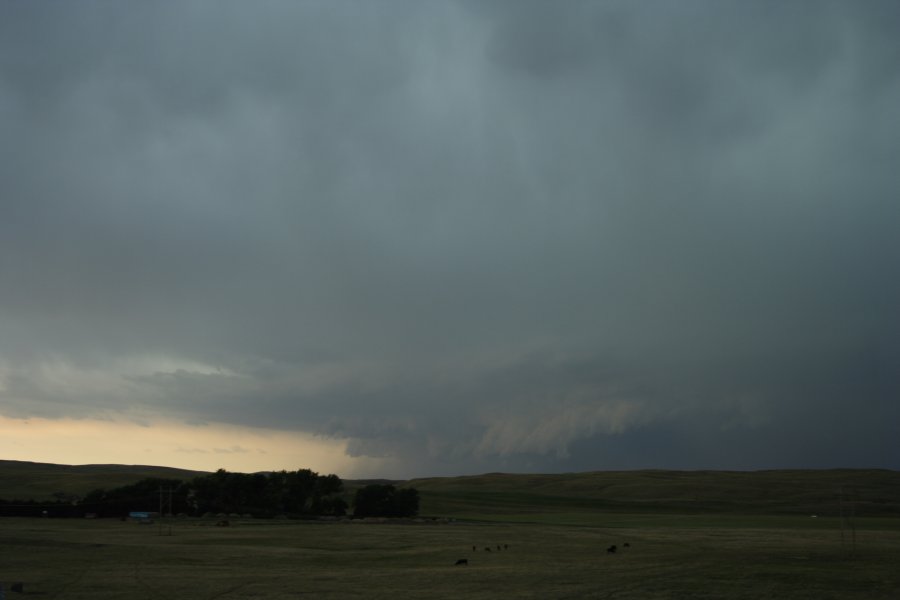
(39, 481)
(867, 492)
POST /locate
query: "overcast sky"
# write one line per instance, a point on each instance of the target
(410, 238)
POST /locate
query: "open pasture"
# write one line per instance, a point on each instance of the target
(194, 559)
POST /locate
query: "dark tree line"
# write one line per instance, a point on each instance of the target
(291, 493)
(143, 495)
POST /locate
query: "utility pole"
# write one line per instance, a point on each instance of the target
(165, 503)
(848, 527)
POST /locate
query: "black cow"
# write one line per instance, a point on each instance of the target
(463, 561)
(611, 549)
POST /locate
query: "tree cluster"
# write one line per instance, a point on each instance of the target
(143, 495)
(295, 494)
(291, 493)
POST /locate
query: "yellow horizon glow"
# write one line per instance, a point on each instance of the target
(205, 447)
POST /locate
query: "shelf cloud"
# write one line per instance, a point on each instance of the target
(455, 237)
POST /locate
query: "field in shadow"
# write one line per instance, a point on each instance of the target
(696, 534)
(802, 492)
(194, 559)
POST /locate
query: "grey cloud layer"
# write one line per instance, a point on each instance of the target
(471, 235)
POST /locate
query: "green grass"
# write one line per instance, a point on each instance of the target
(99, 559)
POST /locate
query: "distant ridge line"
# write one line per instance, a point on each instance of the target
(771, 491)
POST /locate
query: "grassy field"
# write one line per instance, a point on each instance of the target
(667, 558)
(871, 492)
(691, 535)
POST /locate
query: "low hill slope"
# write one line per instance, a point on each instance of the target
(39, 481)
(868, 492)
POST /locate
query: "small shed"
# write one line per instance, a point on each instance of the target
(142, 516)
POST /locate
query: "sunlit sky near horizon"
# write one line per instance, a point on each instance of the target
(400, 239)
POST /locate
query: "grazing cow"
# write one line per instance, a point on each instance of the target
(18, 587)
(626, 545)
(611, 549)
(506, 546)
(498, 547)
(463, 561)
(487, 548)
(474, 549)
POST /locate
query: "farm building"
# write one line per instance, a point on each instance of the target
(142, 516)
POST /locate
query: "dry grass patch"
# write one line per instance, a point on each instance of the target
(268, 559)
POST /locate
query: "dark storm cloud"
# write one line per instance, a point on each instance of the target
(467, 235)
